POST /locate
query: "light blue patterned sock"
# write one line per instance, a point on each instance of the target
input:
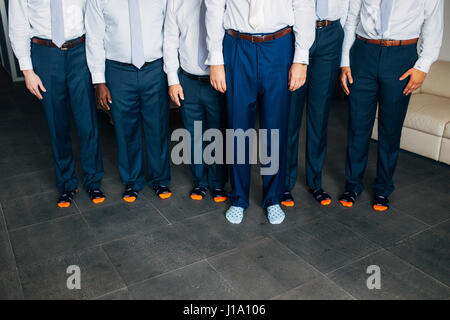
(235, 214)
(275, 214)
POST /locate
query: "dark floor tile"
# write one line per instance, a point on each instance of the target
(145, 256)
(180, 206)
(7, 262)
(122, 294)
(32, 146)
(27, 185)
(263, 269)
(15, 165)
(120, 220)
(212, 234)
(384, 229)
(325, 244)
(320, 289)
(48, 279)
(2, 220)
(10, 288)
(399, 280)
(429, 251)
(195, 282)
(416, 163)
(50, 239)
(428, 204)
(28, 210)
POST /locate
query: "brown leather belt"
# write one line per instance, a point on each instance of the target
(66, 45)
(325, 23)
(390, 43)
(260, 38)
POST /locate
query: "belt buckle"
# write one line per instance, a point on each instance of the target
(64, 47)
(322, 24)
(254, 37)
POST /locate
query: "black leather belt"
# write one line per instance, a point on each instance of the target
(132, 65)
(195, 77)
(325, 23)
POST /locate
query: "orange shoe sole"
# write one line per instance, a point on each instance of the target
(64, 204)
(220, 199)
(165, 195)
(196, 197)
(98, 201)
(379, 208)
(325, 202)
(129, 199)
(288, 203)
(346, 203)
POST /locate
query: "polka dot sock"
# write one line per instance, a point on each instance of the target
(275, 214)
(235, 214)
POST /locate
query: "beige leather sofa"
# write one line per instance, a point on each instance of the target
(426, 130)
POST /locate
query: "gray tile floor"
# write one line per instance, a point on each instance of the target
(180, 249)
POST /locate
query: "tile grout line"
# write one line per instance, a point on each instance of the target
(131, 284)
(16, 268)
(109, 292)
(314, 268)
(222, 277)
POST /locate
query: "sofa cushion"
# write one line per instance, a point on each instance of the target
(437, 80)
(428, 113)
(447, 131)
(445, 151)
(425, 144)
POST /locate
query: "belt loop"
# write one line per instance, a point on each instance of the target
(401, 41)
(239, 35)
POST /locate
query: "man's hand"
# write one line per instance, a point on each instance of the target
(176, 93)
(103, 96)
(416, 79)
(34, 83)
(217, 78)
(297, 76)
(346, 78)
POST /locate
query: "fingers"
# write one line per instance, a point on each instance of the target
(405, 75)
(344, 83)
(350, 77)
(35, 91)
(181, 94)
(293, 85)
(104, 103)
(175, 99)
(412, 86)
(219, 85)
(108, 98)
(41, 86)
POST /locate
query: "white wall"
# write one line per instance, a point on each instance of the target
(445, 51)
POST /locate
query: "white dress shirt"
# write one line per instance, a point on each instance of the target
(108, 33)
(409, 19)
(181, 35)
(278, 14)
(337, 10)
(32, 18)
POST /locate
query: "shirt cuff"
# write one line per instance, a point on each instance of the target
(345, 61)
(215, 58)
(172, 78)
(423, 65)
(98, 77)
(25, 63)
(301, 56)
